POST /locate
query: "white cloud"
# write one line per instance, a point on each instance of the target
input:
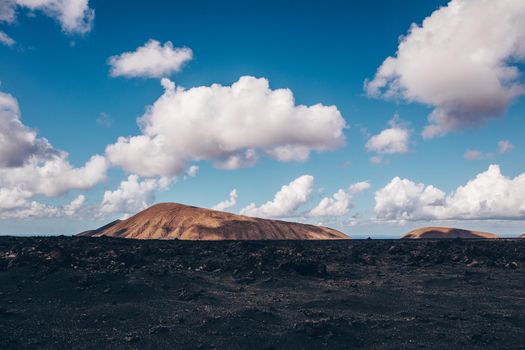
(74, 16)
(504, 146)
(240, 160)
(473, 155)
(228, 125)
(18, 143)
(30, 166)
(403, 199)
(359, 187)
(192, 171)
(459, 61)
(7, 11)
(392, 140)
(340, 202)
(488, 196)
(131, 196)
(227, 203)
(337, 205)
(54, 176)
(153, 60)
(6, 39)
(20, 207)
(74, 206)
(11, 198)
(285, 202)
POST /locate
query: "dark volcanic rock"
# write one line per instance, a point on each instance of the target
(97, 293)
(305, 267)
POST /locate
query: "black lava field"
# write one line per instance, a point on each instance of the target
(100, 293)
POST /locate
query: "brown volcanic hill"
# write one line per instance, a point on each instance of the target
(178, 221)
(446, 232)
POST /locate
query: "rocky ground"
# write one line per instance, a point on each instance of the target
(88, 293)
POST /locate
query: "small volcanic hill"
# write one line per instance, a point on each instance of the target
(446, 232)
(177, 221)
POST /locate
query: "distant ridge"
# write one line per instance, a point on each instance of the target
(447, 232)
(178, 221)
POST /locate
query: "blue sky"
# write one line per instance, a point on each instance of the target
(58, 71)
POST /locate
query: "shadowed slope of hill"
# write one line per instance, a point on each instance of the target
(446, 232)
(177, 221)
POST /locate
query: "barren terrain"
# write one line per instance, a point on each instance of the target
(89, 293)
(179, 221)
(447, 233)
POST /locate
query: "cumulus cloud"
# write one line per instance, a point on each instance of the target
(152, 60)
(6, 39)
(18, 206)
(74, 206)
(18, 143)
(11, 198)
(74, 16)
(359, 187)
(285, 202)
(131, 196)
(340, 202)
(30, 166)
(392, 140)
(54, 176)
(490, 195)
(337, 205)
(461, 61)
(227, 203)
(240, 160)
(403, 199)
(228, 125)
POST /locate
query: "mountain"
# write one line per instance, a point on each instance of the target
(178, 221)
(446, 232)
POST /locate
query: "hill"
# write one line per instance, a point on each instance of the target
(178, 221)
(446, 232)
